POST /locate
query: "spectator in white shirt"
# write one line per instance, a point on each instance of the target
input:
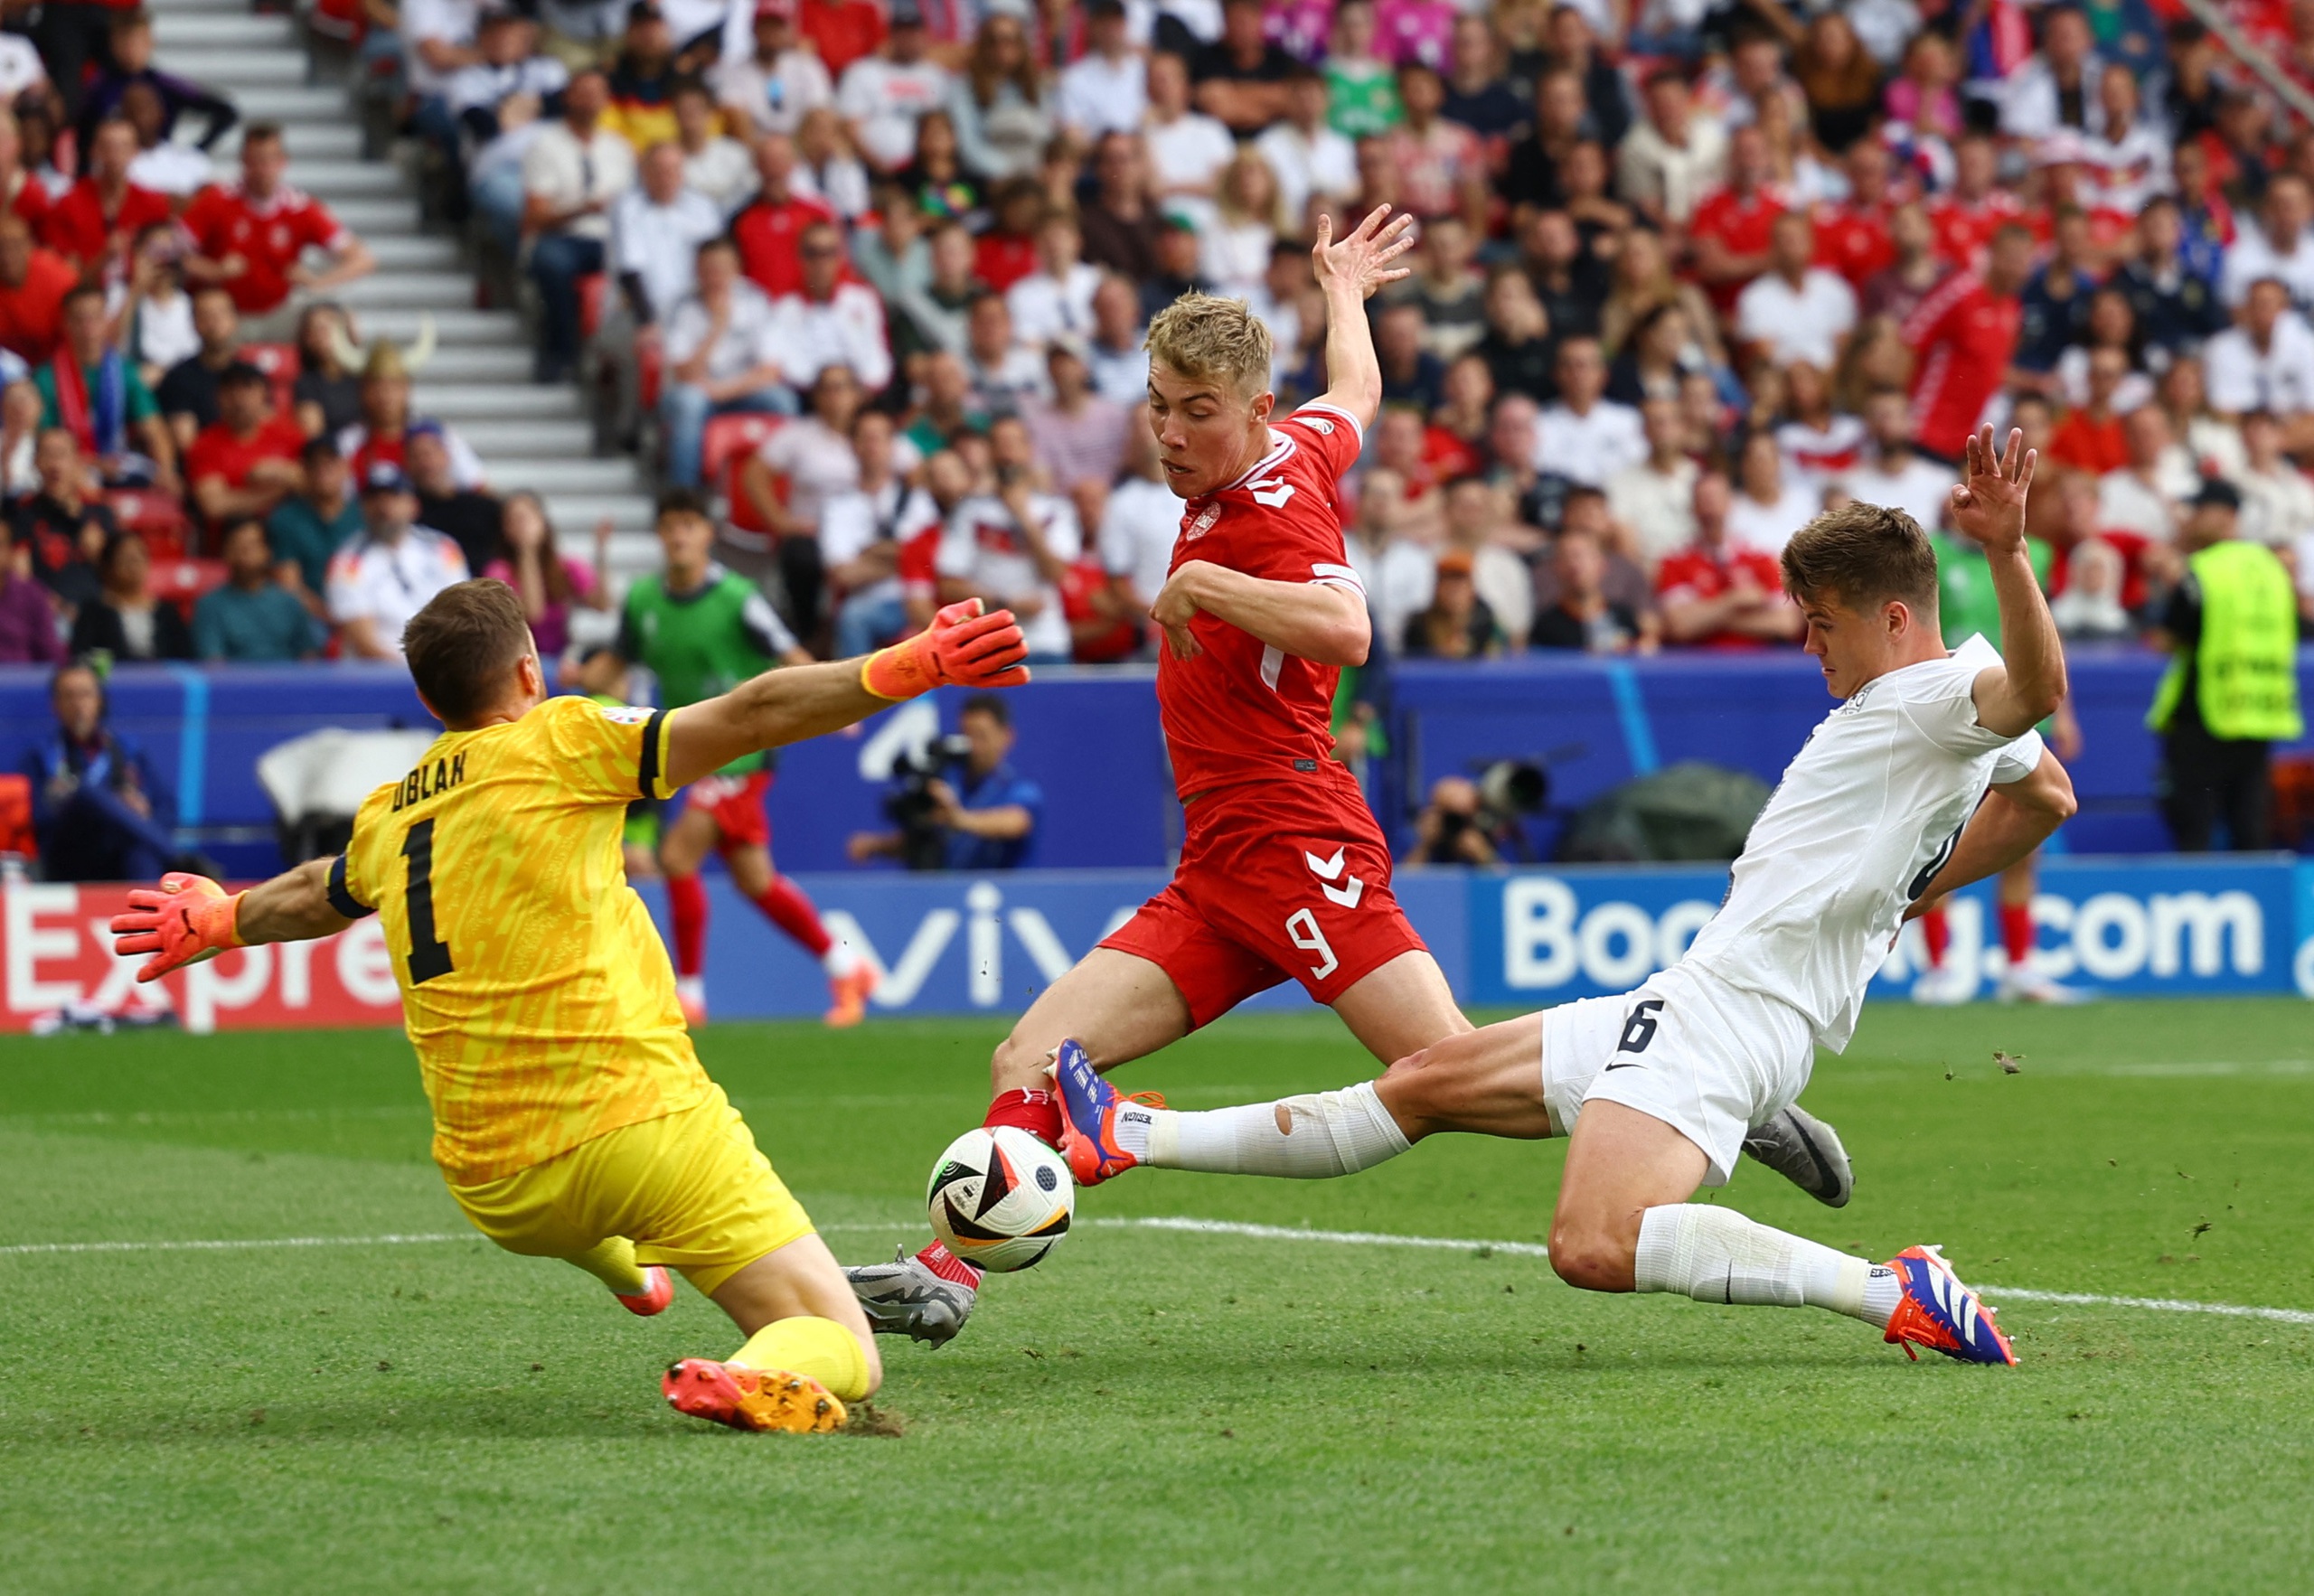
(1080, 436)
(509, 69)
(1058, 296)
(1653, 501)
(1142, 521)
(1586, 438)
(437, 41)
(1234, 251)
(2032, 99)
(1794, 310)
(1768, 507)
(1310, 159)
(1186, 149)
(2279, 247)
(2126, 158)
(1005, 373)
(714, 164)
(1674, 156)
(861, 533)
(2148, 495)
(1012, 548)
(1105, 89)
(2277, 498)
(656, 229)
(1891, 473)
(2265, 362)
(832, 322)
(571, 172)
(826, 169)
(998, 104)
(884, 96)
(722, 357)
(1119, 364)
(387, 575)
(771, 87)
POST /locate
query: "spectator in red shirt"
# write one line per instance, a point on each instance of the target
(770, 230)
(93, 225)
(250, 234)
(1852, 238)
(1967, 217)
(2091, 437)
(244, 465)
(1716, 593)
(1732, 226)
(1964, 334)
(842, 31)
(34, 283)
(19, 191)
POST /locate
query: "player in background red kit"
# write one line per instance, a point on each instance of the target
(1285, 873)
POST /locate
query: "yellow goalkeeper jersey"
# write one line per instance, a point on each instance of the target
(534, 987)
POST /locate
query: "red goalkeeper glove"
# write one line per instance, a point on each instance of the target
(190, 918)
(961, 648)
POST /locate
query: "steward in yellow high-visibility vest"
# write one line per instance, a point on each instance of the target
(2231, 691)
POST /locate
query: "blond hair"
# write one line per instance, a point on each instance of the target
(1214, 340)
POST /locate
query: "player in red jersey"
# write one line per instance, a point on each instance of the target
(250, 234)
(1284, 873)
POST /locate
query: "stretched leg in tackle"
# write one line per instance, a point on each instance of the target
(809, 1349)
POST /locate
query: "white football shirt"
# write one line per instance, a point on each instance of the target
(1866, 813)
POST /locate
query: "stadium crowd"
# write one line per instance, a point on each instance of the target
(879, 269)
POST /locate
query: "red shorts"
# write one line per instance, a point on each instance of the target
(734, 804)
(1275, 882)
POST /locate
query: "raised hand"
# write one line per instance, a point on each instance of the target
(962, 647)
(190, 918)
(1361, 261)
(1988, 502)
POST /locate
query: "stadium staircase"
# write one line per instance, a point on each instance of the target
(478, 381)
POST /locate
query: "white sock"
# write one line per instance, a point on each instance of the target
(840, 959)
(1716, 1255)
(1326, 1133)
(692, 988)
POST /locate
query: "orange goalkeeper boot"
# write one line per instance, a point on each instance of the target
(751, 1399)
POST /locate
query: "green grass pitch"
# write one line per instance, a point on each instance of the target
(1153, 1410)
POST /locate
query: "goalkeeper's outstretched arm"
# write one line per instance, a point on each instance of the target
(188, 918)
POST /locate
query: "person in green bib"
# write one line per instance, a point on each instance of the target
(1966, 606)
(2231, 692)
(703, 630)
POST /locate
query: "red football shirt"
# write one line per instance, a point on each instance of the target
(1242, 711)
(769, 237)
(1965, 336)
(841, 31)
(76, 227)
(1963, 232)
(218, 453)
(269, 234)
(1742, 226)
(1691, 573)
(32, 313)
(1854, 243)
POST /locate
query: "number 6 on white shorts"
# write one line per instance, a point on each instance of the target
(1301, 926)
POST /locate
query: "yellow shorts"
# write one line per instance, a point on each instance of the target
(691, 1191)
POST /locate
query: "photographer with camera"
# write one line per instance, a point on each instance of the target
(959, 805)
(1478, 822)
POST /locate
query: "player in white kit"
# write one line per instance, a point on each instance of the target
(1927, 776)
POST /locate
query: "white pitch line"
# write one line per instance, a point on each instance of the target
(1231, 1227)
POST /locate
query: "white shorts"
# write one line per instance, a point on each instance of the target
(1708, 1059)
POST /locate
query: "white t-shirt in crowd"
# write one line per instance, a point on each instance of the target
(982, 545)
(1044, 306)
(1591, 448)
(2240, 378)
(1138, 531)
(1920, 487)
(1769, 527)
(1803, 324)
(1864, 815)
(884, 101)
(2277, 506)
(1659, 507)
(1324, 163)
(1191, 149)
(852, 523)
(1817, 456)
(1094, 96)
(391, 582)
(2252, 256)
(774, 98)
(746, 342)
(660, 243)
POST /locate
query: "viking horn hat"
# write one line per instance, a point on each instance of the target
(384, 357)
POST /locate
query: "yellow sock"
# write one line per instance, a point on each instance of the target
(819, 1347)
(612, 1261)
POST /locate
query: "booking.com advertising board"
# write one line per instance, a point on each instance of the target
(965, 944)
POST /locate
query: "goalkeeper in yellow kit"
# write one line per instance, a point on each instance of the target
(571, 1118)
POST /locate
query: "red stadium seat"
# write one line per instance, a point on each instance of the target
(182, 581)
(157, 518)
(724, 448)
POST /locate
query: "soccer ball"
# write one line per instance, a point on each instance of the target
(1001, 1198)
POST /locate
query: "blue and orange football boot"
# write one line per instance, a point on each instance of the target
(751, 1399)
(1090, 1107)
(658, 1291)
(1937, 1312)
